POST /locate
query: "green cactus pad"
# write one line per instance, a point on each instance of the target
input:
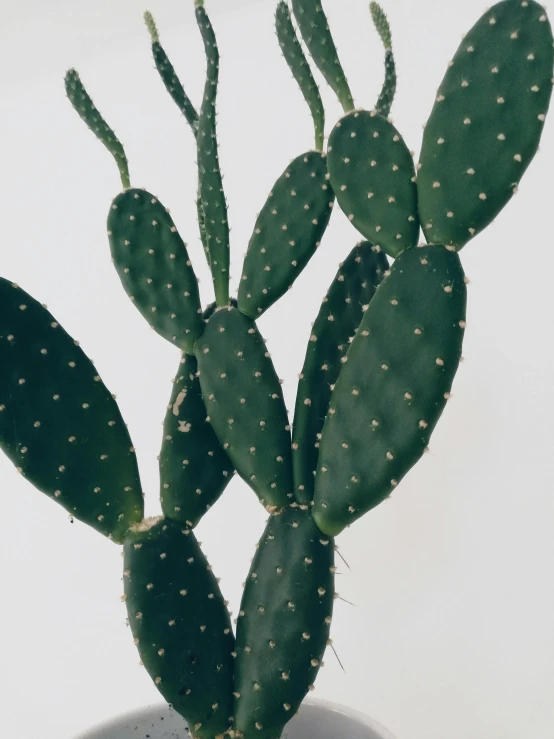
(393, 387)
(245, 404)
(288, 231)
(284, 622)
(336, 324)
(153, 264)
(315, 31)
(59, 424)
(214, 205)
(298, 64)
(194, 469)
(81, 101)
(487, 121)
(373, 176)
(169, 77)
(180, 623)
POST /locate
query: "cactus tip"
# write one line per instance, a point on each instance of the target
(198, 3)
(381, 24)
(151, 25)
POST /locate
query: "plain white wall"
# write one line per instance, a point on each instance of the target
(451, 634)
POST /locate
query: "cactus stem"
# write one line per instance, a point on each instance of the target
(82, 103)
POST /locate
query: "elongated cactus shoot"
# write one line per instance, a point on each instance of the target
(298, 64)
(388, 91)
(317, 36)
(81, 101)
(168, 75)
(212, 197)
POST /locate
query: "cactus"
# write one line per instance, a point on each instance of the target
(379, 366)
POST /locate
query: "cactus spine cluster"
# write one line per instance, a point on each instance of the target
(379, 366)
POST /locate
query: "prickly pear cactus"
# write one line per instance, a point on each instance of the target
(379, 366)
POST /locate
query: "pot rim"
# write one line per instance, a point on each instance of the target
(346, 711)
(311, 702)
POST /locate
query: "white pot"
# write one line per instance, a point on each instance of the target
(317, 719)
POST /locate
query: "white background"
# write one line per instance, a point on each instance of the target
(451, 635)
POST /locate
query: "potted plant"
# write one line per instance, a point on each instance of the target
(377, 375)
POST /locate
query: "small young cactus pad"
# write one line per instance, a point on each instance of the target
(180, 623)
(487, 121)
(154, 267)
(283, 624)
(59, 424)
(373, 176)
(338, 320)
(393, 387)
(287, 232)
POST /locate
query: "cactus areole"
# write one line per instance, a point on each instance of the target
(380, 361)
